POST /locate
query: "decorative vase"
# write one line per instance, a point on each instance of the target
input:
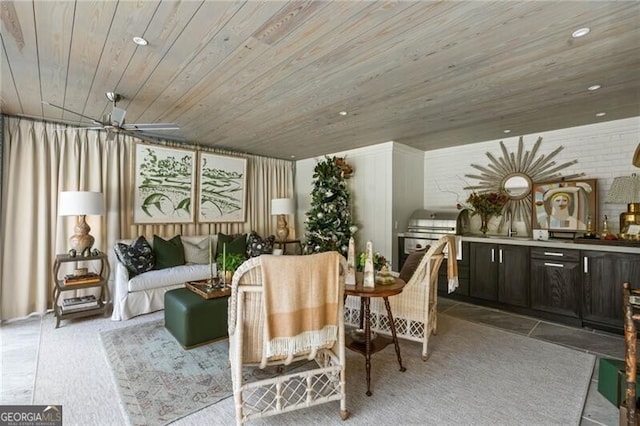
(484, 223)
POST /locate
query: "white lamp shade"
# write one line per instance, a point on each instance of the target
(79, 203)
(282, 206)
(624, 190)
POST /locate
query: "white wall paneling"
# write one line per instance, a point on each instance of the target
(371, 188)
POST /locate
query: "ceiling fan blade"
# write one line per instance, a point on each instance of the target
(151, 137)
(73, 112)
(151, 126)
(77, 128)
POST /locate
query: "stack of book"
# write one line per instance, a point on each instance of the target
(89, 278)
(79, 303)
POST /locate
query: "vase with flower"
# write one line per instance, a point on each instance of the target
(486, 205)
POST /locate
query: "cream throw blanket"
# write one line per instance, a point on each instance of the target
(452, 263)
(301, 299)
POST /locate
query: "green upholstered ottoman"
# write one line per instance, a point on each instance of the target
(192, 319)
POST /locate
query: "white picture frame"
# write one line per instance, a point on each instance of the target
(164, 185)
(222, 188)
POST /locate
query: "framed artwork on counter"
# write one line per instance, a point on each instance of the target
(565, 206)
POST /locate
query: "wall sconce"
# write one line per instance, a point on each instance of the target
(626, 190)
(81, 203)
(282, 207)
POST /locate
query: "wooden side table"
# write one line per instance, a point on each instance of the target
(369, 346)
(283, 245)
(60, 286)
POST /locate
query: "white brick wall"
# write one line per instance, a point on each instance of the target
(604, 151)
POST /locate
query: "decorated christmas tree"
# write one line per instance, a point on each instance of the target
(329, 219)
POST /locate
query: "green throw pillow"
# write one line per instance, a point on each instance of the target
(168, 252)
(236, 244)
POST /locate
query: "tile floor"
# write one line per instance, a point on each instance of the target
(19, 350)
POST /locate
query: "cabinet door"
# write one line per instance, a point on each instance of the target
(484, 271)
(555, 286)
(513, 275)
(602, 279)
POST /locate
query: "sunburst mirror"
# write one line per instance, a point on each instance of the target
(514, 175)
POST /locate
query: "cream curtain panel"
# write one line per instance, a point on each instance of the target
(41, 159)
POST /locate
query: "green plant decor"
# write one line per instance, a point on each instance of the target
(378, 261)
(231, 262)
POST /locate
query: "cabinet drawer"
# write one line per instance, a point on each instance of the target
(552, 253)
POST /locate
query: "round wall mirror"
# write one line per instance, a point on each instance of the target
(514, 173)
(516, 185)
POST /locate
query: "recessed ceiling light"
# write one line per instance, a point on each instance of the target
(580, 32)
(507, 131)
(140, 41)
(601, 114)
(343, 113)
(594, 87)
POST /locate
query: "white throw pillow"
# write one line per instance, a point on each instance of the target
(196, 252)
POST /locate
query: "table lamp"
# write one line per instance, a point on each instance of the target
(626, 190)
(282, 207)
(81, 203)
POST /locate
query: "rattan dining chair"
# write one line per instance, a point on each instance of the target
(415, 309)
(249, 339)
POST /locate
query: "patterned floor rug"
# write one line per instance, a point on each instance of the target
(159, 381)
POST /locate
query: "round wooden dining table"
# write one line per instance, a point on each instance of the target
(369, 346)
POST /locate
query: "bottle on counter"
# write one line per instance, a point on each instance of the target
(605, 228)
(589, 231)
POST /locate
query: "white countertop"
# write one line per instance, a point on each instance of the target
(557, 243)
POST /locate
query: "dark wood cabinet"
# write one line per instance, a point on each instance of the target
(513, 275)
(565, 283)
(603, 274)
(555, 281)
(499, 272)
(483, 271)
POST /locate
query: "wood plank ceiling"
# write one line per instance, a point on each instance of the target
(270, 78)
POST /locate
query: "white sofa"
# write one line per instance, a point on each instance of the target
(144, 293)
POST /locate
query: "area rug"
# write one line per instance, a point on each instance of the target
(475, 375)
(158, 381)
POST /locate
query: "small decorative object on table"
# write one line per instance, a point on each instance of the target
(384, 277)
(368, 280)
(378, 261)
(350, 276)
(358, 336)
(228, 263)
(486, 204)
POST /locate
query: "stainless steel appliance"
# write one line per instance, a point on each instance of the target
(427, 226)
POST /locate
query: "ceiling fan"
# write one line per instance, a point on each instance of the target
(114, 122)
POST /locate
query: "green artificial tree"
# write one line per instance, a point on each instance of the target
(329, 219)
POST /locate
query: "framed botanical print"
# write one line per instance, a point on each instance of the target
(164, 185)
(222, 188)
(565, 206)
